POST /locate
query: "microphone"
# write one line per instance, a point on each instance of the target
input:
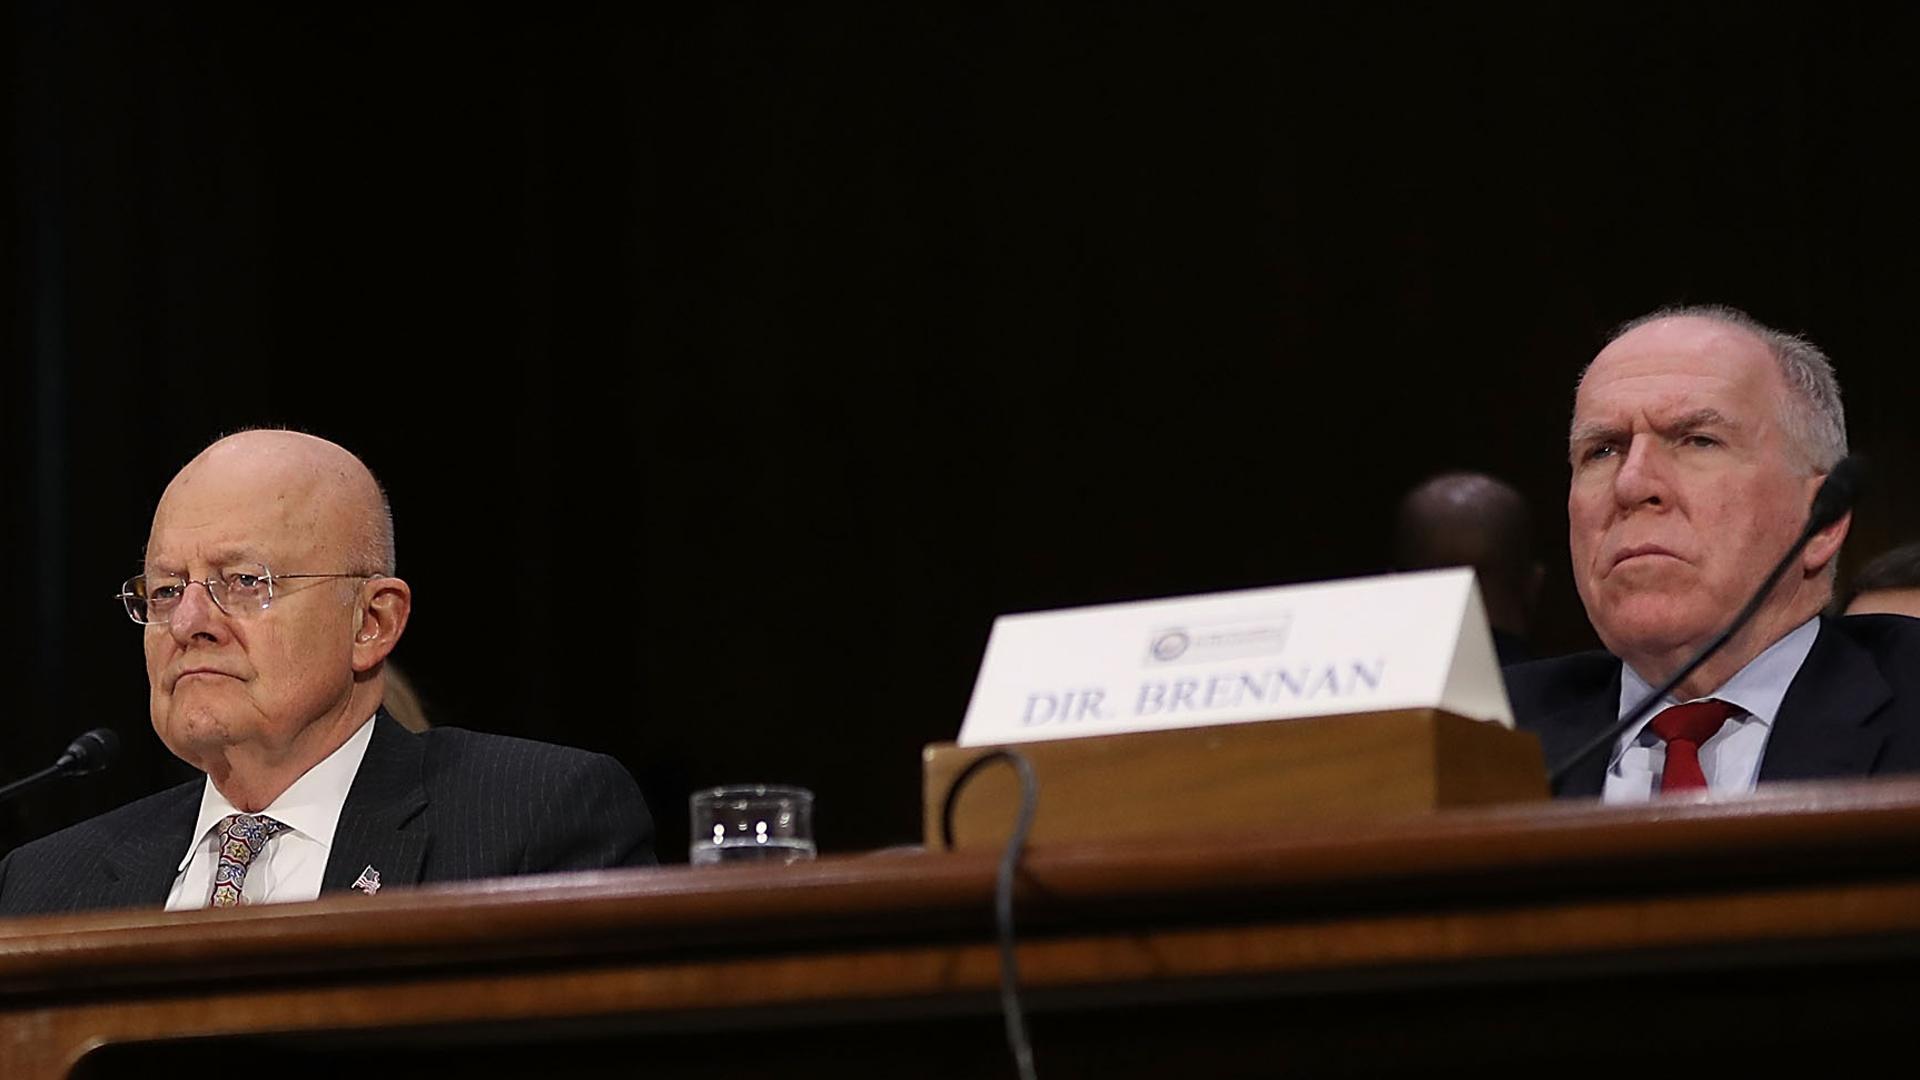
(1837, 494)
(89, 753)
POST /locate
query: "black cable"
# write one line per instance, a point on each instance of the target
(1612, 732)
(1003, 892)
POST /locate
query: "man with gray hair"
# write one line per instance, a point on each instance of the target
(1699, 437)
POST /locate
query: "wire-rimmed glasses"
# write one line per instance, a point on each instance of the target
(152, 598)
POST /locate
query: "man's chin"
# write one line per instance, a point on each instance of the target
(194, 735)
(1654, 631)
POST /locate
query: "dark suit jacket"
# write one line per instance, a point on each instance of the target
(1853, 709)
(446, 805)
(1511, 648)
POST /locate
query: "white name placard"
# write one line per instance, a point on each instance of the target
(1398, 641)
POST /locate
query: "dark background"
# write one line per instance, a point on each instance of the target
(731, 366)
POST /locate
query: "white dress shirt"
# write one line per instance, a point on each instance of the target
(291, 865)
(1731, 759)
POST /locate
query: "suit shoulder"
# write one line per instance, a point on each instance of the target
(101, 830)
(463, 764)
(1540, 687)
(1887, 636)
(457, 747)
(1893, 643)
(571, 809)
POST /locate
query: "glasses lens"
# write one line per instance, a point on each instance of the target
(242, 593)
(151, 601)
(134, 595)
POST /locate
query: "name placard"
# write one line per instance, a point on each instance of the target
(1397, 641)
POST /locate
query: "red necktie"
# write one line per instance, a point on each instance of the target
(1685, 727)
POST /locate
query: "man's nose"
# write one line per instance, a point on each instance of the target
(196, 614)
(1642, 478)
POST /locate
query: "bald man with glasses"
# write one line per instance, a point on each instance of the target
(268, 607)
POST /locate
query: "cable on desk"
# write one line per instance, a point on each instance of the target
(1003, 892)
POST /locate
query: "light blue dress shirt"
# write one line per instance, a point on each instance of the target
(1731, 759)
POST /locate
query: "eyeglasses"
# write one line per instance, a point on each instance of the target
(151, 600)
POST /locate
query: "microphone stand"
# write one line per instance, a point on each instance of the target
(89, 753)
(26, 782)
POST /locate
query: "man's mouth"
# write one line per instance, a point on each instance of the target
(1641, 551)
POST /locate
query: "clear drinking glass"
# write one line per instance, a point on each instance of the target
(751, 823)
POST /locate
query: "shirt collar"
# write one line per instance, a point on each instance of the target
(1758, 689)
(310, 805)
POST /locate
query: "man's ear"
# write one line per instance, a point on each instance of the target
(385, 603)
(1825, 546)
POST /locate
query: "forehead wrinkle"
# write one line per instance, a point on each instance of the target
(1702, 416)
(1696, 418)
(224, 556)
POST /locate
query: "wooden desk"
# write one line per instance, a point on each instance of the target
(1522, 940)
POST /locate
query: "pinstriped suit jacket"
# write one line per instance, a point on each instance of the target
(446, 805)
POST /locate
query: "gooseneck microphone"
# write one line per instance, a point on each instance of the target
(1836, 496)
(89, 753)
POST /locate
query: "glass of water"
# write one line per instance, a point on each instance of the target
(751, 823)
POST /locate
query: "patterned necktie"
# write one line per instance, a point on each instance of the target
(242, 836)
(1685, 727)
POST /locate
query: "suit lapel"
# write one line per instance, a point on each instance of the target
(137, 869)
(379, 823)
(1822, 727)
(1566, 731)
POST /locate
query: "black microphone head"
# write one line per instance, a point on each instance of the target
(89, 753)
(1838, 492)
